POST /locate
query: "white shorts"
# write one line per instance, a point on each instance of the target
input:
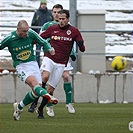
(56, 70)
(68, 67)
(27, 69)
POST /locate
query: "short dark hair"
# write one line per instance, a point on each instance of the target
(64, 11)
(57, 6)
(22, 23)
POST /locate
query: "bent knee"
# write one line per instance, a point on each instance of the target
(45, 76)
(65, 77)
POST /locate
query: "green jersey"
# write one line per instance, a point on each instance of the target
(21, 49)
(50, 23)
(46, 25)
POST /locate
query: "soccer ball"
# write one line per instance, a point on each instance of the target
(118, 63)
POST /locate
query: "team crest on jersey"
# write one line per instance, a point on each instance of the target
(68, 32)
(24, 55)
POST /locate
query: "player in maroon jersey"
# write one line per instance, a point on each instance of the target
(62, 37)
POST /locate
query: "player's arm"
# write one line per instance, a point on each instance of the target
(80, 41)
(81, 45)
(4, 42)
(44, 27)
(1, 46)
(42, 42)
(45, 34)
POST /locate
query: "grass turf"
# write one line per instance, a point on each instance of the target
(89, 118)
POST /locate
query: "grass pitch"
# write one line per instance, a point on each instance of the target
(89, 118)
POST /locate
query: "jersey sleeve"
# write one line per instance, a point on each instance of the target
(46, 34)
(78, 36)
(44, 27)
(4, 42)
(42, 42)
(79, 41)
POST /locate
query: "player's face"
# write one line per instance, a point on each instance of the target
(22, 31)
(55, 13)
(63, 20)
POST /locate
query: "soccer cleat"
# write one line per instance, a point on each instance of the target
(17, 112)
(40, 114)
(51, 99)
(70, 108)
(32, 108)
(50, 111)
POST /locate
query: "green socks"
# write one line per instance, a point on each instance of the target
(29, 98)
(40, 91)
(68, 91)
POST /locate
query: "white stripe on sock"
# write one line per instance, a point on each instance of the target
(22, 104)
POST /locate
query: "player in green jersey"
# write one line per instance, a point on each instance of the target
(66, 77)
(20, 44)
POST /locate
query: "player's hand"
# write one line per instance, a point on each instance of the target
(73, 57)
(52, 51)
(82, 48)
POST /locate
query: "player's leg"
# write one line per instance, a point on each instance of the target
(68, 88)
(68, 92)
(46, 68)
(56, 71)
(45, 77)
(30, 97)
(45, 102)
(33, 105)
(25, 73)
(49, 106)
(53, 82)
(18, 107)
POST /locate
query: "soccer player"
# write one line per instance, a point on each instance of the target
(20, 44)
(62, 37)
(66, 77)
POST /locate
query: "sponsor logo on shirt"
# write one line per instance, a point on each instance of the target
(22, 47)
(61, 38)
(24, 55)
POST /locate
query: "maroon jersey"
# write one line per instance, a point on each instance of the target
(62, 39)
